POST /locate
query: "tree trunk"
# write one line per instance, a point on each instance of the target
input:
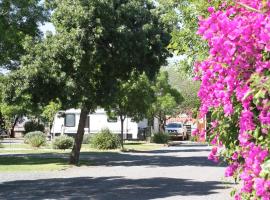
(122, 131)
(75, 153)
(2, 121)
(160, 124)
(163, 124)
(12, 132)
(161, 127)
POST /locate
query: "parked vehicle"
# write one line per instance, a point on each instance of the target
(176, 129)
(3, 133)
(66, 122)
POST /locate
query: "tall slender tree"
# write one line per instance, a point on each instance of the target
(132, 99)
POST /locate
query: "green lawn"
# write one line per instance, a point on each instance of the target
(19, 146)
(46, 158)
(35, 163)
(26, 148)
(27, 163)
(142, 146)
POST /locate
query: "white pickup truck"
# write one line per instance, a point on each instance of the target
(176, 129)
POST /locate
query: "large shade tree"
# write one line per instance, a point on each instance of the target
(96, 44)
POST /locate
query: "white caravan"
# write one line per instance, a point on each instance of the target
(66, 122)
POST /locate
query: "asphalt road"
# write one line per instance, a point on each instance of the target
(172, 173)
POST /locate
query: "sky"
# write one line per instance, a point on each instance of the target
(47, 27)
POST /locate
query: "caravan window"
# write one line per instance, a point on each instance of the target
(70, 120)
(87, 122)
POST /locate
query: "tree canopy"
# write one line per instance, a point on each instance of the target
(184, 16)
(188, 88)
(18, 20)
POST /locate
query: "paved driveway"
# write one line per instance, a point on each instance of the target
(172, 173)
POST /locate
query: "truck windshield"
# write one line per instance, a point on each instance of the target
(174, 125)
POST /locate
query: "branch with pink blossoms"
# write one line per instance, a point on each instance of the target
(249, 7)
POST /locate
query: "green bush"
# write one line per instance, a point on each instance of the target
(87, 138)
(195, 138)
(161, 138)
(105, 140)
(35, 139)
(63, 142)
(32, 126)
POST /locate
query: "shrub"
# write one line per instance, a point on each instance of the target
(35, 139)
(160, 138)
(33, 126)
(195, 138)
(105, 140)
(63, 142)
(86, 139)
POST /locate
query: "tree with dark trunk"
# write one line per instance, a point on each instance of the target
(133, 99)
(96, 46)
(122, 119)
(75, 153)
(12, 131)
(14, 103)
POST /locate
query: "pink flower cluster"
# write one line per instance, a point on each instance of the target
(262, 188)
(238, 37)
(254, 157)
(214, 154)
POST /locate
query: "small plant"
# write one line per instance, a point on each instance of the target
(87, 138)
(35, 139)
(161, 138)
(63, 142)
(105, 140)
(32, 126)
(195, 138)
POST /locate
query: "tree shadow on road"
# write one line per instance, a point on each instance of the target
(172, 150)
(106, 188)
(159, 158)
(141, 159)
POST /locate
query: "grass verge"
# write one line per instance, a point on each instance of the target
(29, 163)
(142, 146)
